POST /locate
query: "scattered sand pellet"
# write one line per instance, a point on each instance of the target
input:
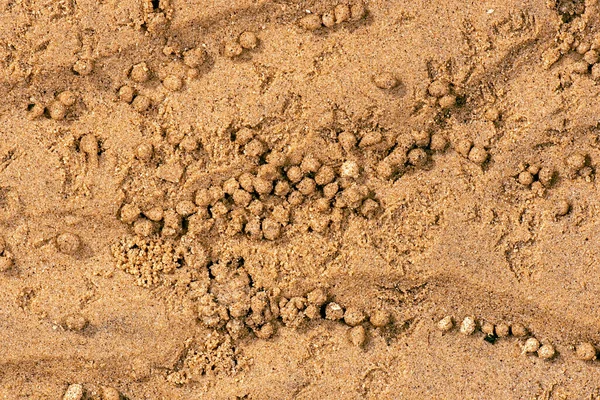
(36, 111)
(67, 97)
(266, 331)
(262, 186)
(126, 94)
(57, 110)
(306, 186)
(468, 326)
(172, 83)
(144, 227)
(170, 172)
(350, 169)
(502, 330)
(310, 164)
(546, 351)
(76, 322)
(325, 175)
(358, 11)
(422, 138)
(141, 103)
(385, 81)
(241, 197)
(463, 147)
(487, 328)
(518, 330)
(144, 151)
(438, 142)
(232, 49)
(255, 148)
(561, 208)
(310, 22)
(129, 213)
(195, 57)
(248, 40)
(271, 229)
(74, 392)
(380, 318)
(585, 351)
(478, 155)
(438, 88)
(448, 101)
(155, 213)
(342, 13)
(140, 73)
(576, 161)
(109, 393)
(525, 178)
(446, 324)
(417, 157)
(347, 140)
(591, 57)
(531, 345)
(353, 316)
(282, 188)
(246, 181)
(333, 311)
(83, 67)
(492, 114)
(6, 262)
(318, 297)
(358, 336)
(68, 243)
(328, 19)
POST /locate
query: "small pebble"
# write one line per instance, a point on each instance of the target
(342, 13)
(350, 169)
(317, 297)
(438, 88)
(68, 243)
(310, 22)
(478, 155)
(36, 111)
(173, 83)
(531, 345)
(546, 351)
(126, 94)
(502, 330)
(74, 392)
(546, 176)
(417, 157)
(232, 49)
(525, 178)
(438, 142)
(487, 328)
(463, 147)
(83, 67)
(76, 322)
(57, 110)
(109, 393)
(248, 40)
(67, 97)
(358, 335)
(468, 326)
(576, 161)
(358, 11)
(141, 103)
(562, 208)
(518, 330)
(129, 213)
(140, 73)
(334, 311)
(353, 316)
(380, 318)
(328, 19)
(385, 81)
(585, 351)
(492, 114)
(448, 101)
(144, 151)
(445, 324)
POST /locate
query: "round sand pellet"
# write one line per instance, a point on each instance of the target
(126, 94)
(487, 328)
(68, 243)
(358, 336)
(144, 227)
(502, 330)
(129, 213)
(333, 311)
(255, 148)
(546, 351)
(576, 161)
(525, 178)
(546, 176)
(438, 142)
(385, 81)
(445, 324)
(325, 175)
(67, 97)
(76, 322)
(310, 22)
(380, 318)
(271, 229)
(561, 208)
(195, 57)
(322, 204)
(241, 197)
(83, 67)
(438, 88)
(596, 72)
(478, 155)
(140, 73)
(262, 186)
(350, 169)
(463, 147)
(317, 297)
(328, 19)
(185, 208)
(294, 174)
(172, 83)
(57, 110)
(448, 101)
(531, 345)
(354, 316)
(232, 49)
(306, 186)
(282, 188)
(89, 144)
(347, 140)
(358, 11)
(266, 331)
(422, 138)
(248, 40)
(155, 213)
(109, 393)
(518, 330)
(35, 111)
(417, 157)
(6, 263)
(468, 326)
(342, 13)
(144, 151)
(591, 57)
(492, 114)
(141, 103)
(586, 351)
(74, 392)
(310, 164)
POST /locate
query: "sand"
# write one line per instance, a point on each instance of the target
(299, 199)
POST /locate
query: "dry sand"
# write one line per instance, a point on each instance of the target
(281, 199)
